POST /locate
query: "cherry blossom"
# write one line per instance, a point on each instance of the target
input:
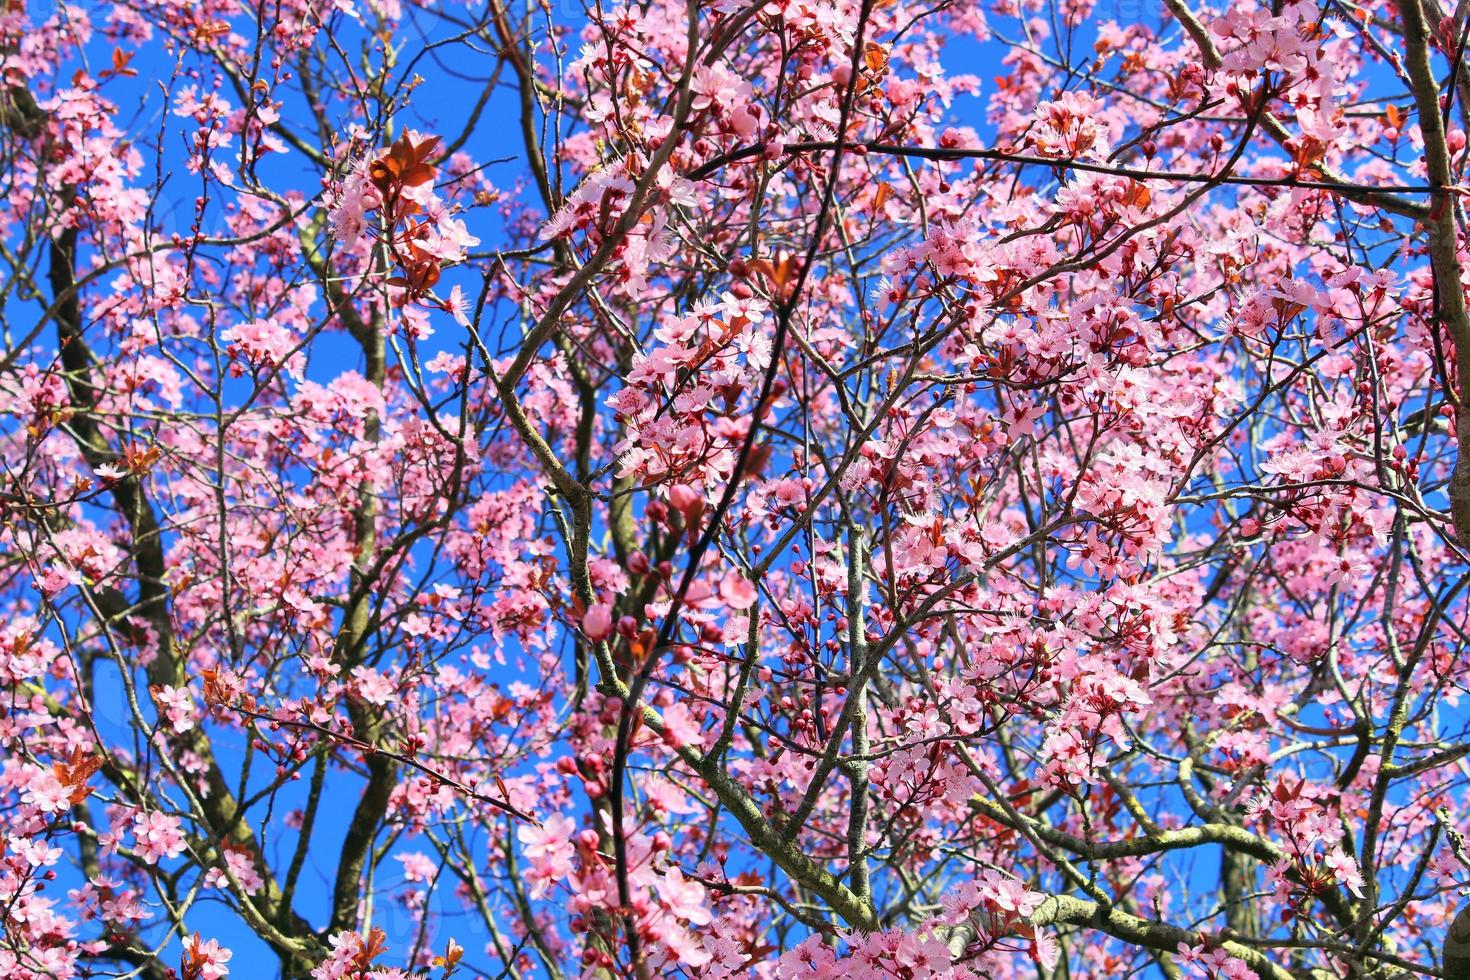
(799, 489)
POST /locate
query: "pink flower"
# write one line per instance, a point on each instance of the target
(349, 213)
(923, 956)
(737, 591)
(555, 832)
(451, 239)
(549, 849)
(46, 792)
(1345, 870)
(266, 344)
(1070, 127)
(418, 867)
(457, 306)
(680, 726)
(683, 898)
(36, 853)
(205, 960)
(57, 577)
(341, 963)
(1046, 950)
(177, 706)
(158, 836)
(371, 686)
(241, 867)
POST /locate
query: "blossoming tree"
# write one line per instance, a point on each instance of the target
(790, 488)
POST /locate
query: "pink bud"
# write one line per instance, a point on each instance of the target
(683, 497)
(1250, 527)
(744, 124)
(597, 623)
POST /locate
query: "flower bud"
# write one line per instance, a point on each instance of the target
(597, 622)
